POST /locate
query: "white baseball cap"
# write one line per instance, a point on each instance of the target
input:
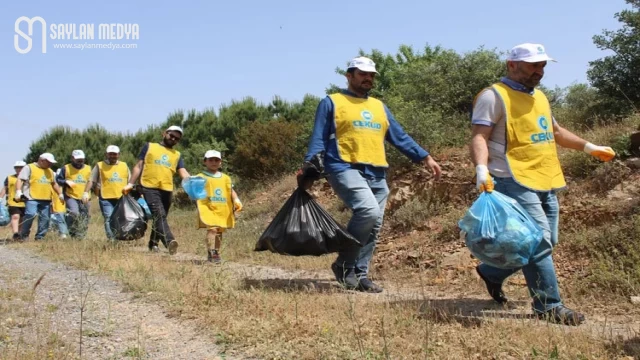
(49, 157)
(212, 154)
(175, 128)
(363, 63)
(529, 52)
(77, 154)
(20, 163)
(113, 149)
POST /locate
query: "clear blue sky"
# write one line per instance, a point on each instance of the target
(206, 53)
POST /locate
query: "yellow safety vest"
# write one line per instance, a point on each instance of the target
(113, 179)
(361, 126)
(40, 182)
(217, 209)
(160, 165)
(57, 204)
(12, 190)
(531, 149)
(78, 176)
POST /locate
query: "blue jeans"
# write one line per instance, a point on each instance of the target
(60, 223)
(540, 273)
(78, 217)
(41, 208)
(106, 206)
(366, 197)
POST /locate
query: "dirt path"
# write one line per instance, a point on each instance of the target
(123, 325)
(115, 324)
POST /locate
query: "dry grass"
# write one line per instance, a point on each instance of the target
(26, 332)
(292, 318)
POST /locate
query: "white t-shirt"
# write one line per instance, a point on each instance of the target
(489, 111)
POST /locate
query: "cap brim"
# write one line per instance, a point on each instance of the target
(369, 69)
(538, 58)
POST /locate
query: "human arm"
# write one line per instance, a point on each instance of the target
(5, 189)
(135, 174)
(567, 139)
(61, 178)
(93, 178)
(321, 128)
(181, 170)
(237, 204)
(407, 146)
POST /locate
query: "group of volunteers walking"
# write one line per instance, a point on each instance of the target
(513, 147)
(64, 197)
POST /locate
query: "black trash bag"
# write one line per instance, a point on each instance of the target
(128, 220)
(303, 227)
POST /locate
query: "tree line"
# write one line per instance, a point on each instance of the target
(430, 92)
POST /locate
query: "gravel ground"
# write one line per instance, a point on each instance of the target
(115, 323)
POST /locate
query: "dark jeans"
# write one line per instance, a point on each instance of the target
(159, 202)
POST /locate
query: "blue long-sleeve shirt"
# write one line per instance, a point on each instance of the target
(321, 140)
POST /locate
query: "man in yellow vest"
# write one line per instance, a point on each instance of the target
(73, 178)
(111, 176)
(16, 209)
(514, 138)
(156, 167)
(351, 128)
(34, 184)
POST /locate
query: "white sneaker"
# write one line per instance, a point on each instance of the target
(64, 236)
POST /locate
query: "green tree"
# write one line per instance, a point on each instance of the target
(616, 76)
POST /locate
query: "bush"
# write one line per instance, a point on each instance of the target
(266, 150)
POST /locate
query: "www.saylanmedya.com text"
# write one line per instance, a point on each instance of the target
(87, 45)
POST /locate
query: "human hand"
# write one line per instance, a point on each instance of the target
(70, 183)
(18, 196)
(604, 153)
(484, 182)
(85, 197)
(237, 205)
(61, 196)
(304, 183)
(127, 188)
(433, 166)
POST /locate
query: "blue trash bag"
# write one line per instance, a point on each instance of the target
(5, 218)
(194, 187)
(500, 232)
(145, 207)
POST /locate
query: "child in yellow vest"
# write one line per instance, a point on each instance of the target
(58, 214)
(216, 212)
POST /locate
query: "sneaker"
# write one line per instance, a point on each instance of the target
(214, 257)
(562, 315)
(495, 290)
(346, 277)
(16, 237)
(154, 249)
(366, 285)
(173, 247)
(63, 236)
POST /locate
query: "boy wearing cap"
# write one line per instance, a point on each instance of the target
(157, 164)
(216, 212)
(514, 138)
(34, 184)
(351, 128)
(59, 213)
(16, 208)
(110, 176)
(73, 178)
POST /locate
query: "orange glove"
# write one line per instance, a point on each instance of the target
(484, 182)
(604, 153)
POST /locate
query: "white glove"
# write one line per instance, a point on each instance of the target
(70, 183)
(604, 153)
(85, 197)
(483, 179)
(61, 196)
(127, 188)
(237, 205)
(18, 195)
